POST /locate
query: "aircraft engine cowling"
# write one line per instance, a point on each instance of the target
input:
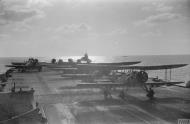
(142, 76)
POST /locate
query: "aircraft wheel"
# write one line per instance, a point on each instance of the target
(110, 96)
(40, 69)
(122, 94)
(23, 70)
(150, 94)
(105, 95)
(44, 120)
(3, 85)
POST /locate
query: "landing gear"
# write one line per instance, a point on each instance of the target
(150, 93)
(23, 70)
(107, 93)
(39, 69)
(122, 94)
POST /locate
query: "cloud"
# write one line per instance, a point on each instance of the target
(17, 11)
(3, 22)
(69, 31)
(151, 34)
(161, 12)
(73, 28)
(2, 36)
(16, 16)
(161, 7)
(20, 27)
(158, 6)
(158, 19)
(119, 31)
(39, 3)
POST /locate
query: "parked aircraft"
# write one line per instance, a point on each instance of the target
(131, 76)
(31, 64)
(84, 61)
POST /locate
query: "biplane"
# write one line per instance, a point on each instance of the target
(31, 64)
(124, 76)
(84, 62)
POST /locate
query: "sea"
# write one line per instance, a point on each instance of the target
(179, 74)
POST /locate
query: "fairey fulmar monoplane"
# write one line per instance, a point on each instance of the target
(31, 64)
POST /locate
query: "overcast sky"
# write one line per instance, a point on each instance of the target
(100, 27)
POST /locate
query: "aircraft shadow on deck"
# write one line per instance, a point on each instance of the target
(172, 100)
(154, 107)
(109, 102)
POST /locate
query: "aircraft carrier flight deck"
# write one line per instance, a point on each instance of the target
(77, 106)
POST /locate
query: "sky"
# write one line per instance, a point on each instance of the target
(99, 27)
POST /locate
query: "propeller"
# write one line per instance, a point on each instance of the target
(142, 76)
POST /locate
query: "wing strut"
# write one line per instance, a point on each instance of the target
(166, 75)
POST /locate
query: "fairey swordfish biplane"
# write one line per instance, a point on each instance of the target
(118, 75)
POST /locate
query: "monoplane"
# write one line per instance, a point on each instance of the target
(31, 64)
(84, 62)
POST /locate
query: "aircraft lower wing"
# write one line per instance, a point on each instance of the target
(57, 66)
(160, 82)
(108, 83)
(99, 85)
(62, 69)
(118, 67)
(78, 76)
(183, 85)
(155, 67)
(18, 63)
(15, 66)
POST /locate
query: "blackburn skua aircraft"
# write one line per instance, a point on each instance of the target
(31, 64)
(126, 76)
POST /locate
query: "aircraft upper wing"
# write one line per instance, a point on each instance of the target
(156, 67)
(16, 66)
(96, 65)
(114, 63)
(22, 66)
(117, 67)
